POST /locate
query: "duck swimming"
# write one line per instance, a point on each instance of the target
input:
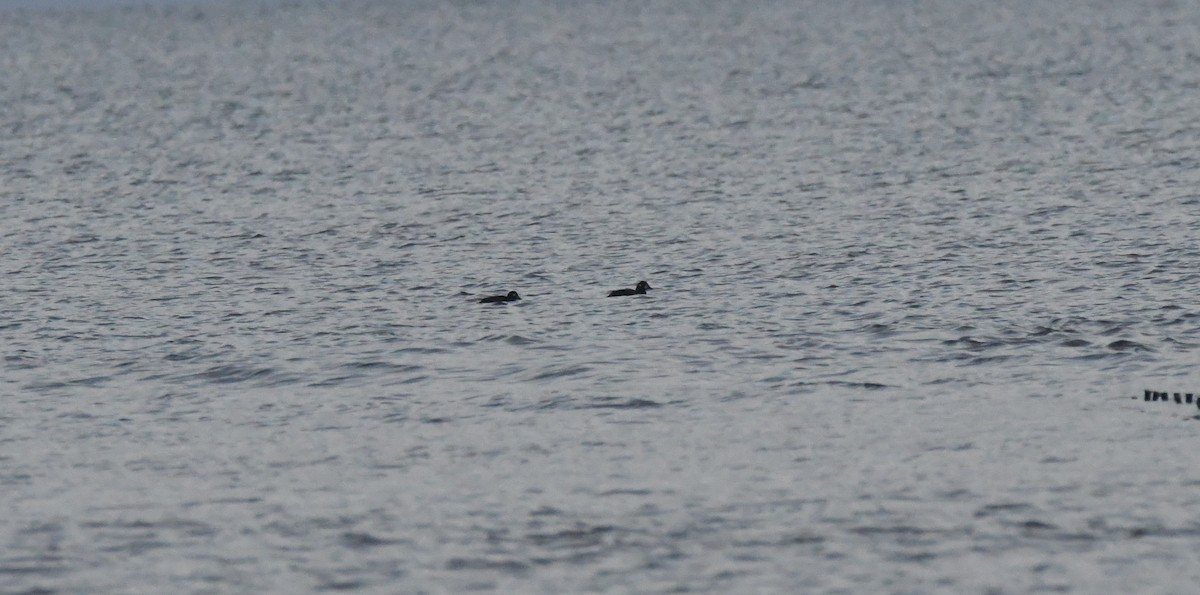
(500, 299)
(642, 286)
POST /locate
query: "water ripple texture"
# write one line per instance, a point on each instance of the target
(913, 266)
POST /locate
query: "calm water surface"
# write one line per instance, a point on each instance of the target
(912, 263)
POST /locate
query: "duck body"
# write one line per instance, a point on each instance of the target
(501, 299)
(641, 288)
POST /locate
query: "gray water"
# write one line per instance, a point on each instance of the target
(913, 264)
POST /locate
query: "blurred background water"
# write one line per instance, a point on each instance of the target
(914, 263)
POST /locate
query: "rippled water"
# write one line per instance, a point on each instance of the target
(914, 264)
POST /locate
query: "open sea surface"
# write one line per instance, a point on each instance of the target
(914, 264)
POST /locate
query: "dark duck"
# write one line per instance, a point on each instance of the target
(500, 299)
(641, 288)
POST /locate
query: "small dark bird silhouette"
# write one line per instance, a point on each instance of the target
(500, 299)
(642, 286)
